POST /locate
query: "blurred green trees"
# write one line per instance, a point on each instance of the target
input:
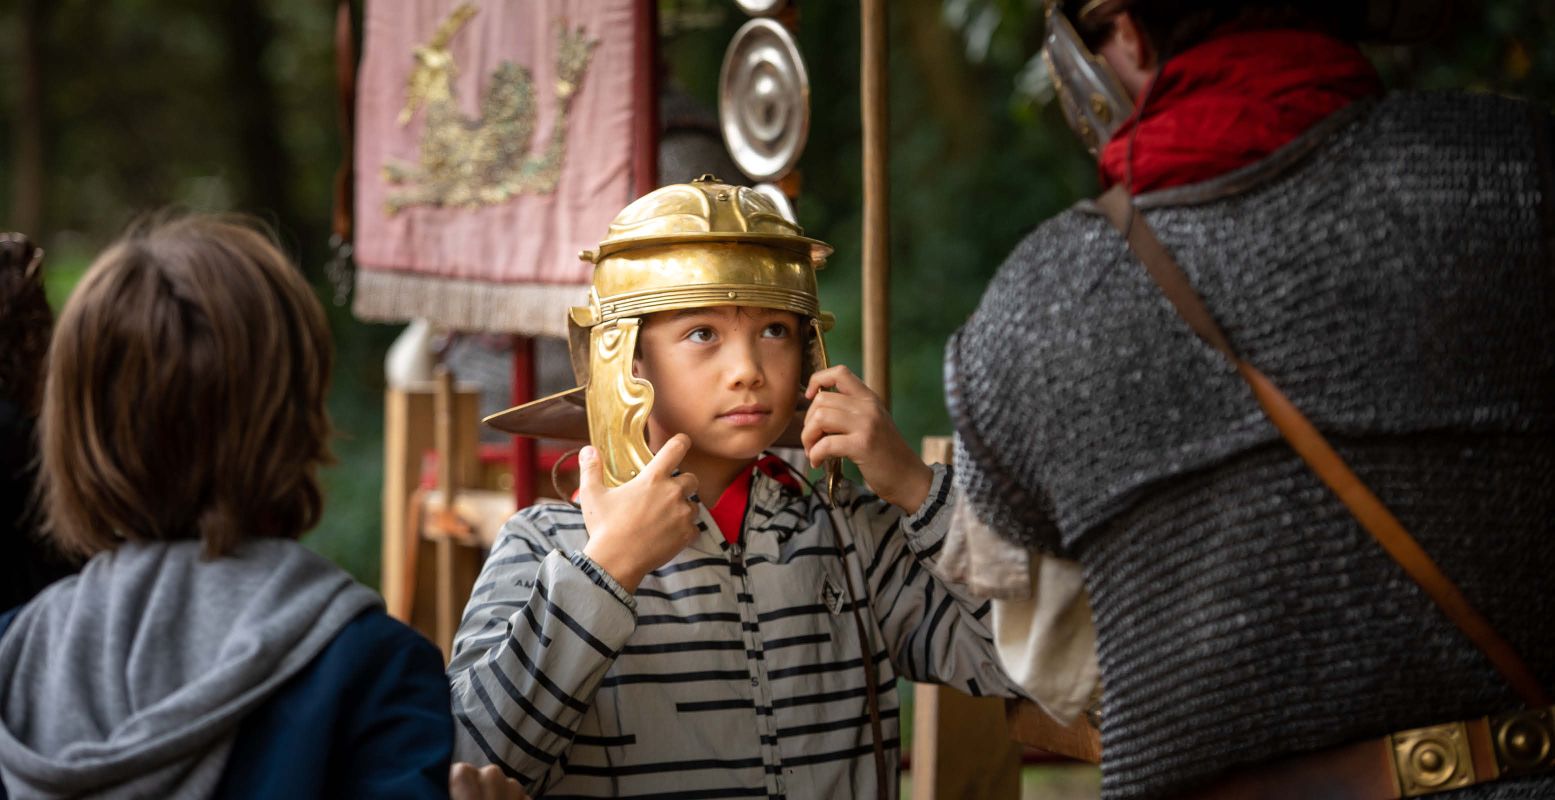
(118, 107)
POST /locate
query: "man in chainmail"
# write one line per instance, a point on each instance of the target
(1386, 260)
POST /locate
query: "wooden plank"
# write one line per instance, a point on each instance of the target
(1030, 725)
(960, 744)
(874, 110)
(937, 449)
(407, 433)
(961, 747)
(409, 594)
(441, 516)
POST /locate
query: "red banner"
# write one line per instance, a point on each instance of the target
(495, 140)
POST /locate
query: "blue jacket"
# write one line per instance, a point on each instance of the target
(368, 718)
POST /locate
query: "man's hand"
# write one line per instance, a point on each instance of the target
(640, 525)
(465, 782)
(851, 423)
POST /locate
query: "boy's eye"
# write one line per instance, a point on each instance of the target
(700, 335)
(776, 330)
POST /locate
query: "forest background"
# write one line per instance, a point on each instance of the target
(114, 108)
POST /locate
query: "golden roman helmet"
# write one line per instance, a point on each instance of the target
(687, 245)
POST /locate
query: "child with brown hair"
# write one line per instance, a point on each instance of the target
(701, 625)
(202, 651)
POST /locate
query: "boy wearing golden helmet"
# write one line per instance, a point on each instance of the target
(645, 643)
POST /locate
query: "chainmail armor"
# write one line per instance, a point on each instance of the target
(1391, 271)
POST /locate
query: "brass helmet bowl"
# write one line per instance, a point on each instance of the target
(686, 245)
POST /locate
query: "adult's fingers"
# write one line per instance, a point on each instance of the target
(668, 459)
(463, 782)
(498, 786)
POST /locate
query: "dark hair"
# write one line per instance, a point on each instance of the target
(25, 320)
(185, 394)
(1173, 26)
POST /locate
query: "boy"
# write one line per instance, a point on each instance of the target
(646, 644)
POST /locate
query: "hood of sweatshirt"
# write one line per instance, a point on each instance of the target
(133, 676)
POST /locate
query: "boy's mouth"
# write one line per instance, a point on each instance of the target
(752, 414)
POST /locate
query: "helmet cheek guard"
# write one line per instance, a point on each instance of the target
(618, 402)
(692, 245)
(1093, 100)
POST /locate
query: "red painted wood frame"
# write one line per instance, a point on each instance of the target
(645, 177)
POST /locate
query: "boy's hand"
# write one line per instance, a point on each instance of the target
(851, 423)
(640, 525)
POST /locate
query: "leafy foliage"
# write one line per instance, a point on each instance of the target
(231, 106)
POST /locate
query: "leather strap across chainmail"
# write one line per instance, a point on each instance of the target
(1309, 443)
(1391, 271)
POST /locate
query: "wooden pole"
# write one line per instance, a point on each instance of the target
(447, 479)
(28, 186)
(874, 88)
(645, 100)
(523, 446)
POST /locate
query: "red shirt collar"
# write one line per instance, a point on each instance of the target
(729, 511)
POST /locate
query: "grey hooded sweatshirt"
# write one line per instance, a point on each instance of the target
(131, 679)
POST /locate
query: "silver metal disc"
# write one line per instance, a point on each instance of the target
(761, 8)
(764, 100)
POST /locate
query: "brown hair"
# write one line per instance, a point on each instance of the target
(185, 394)
(1173, 26)
(25, 320)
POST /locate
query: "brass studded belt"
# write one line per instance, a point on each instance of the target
(1412, 763)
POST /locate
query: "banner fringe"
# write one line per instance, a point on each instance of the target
(466, 305)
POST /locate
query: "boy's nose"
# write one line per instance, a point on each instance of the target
(744, 366)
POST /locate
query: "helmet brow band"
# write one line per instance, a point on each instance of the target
(743, 294)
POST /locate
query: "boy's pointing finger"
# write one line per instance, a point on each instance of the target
(591, 475)
(669, 456)
(688, 484)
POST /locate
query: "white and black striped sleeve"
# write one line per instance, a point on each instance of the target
(541, 629)
(935, 632)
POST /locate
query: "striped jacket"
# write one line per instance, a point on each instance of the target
(734, 671)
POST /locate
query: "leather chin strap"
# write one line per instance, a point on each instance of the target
(1321, 457)
(871, 675)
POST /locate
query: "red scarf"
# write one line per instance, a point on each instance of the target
(1233, 100)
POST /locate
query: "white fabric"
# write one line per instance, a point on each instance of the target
(1047, 642)
(1041, 614)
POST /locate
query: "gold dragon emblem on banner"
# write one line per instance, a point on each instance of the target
(488, 159)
